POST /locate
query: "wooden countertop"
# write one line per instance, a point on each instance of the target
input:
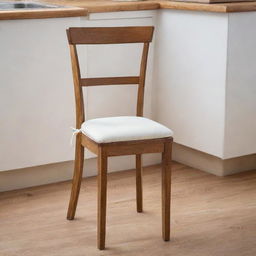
(83, 7)
(73, 11)
(216, 7)
(96, 6)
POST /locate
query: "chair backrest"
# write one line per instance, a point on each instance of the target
(108, 35)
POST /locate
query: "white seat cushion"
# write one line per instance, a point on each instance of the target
(123, 128)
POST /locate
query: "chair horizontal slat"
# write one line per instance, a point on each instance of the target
(135, 147)
(109, 81)
(110, 35)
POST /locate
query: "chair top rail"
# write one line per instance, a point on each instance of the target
(110, 35)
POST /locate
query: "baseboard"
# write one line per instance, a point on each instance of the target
(56, 172)
(212, 164)
(239, 164)
(51, 173)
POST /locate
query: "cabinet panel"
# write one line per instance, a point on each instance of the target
(190, 77)
(240, 132)
(36, 92)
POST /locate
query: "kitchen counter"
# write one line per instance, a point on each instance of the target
(83, 7)
(71, 11)
(220, 7)
(94, 6)
(98, 6)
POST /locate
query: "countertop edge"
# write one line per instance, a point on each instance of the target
(122, 8)
(44, 14)
(87, 7)
(193, 6)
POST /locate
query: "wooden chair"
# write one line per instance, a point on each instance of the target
(144, 135)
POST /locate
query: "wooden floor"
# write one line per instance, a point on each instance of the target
(211, 216)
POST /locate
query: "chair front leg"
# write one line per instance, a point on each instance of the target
(139, 197)
(102, 197)
(166, 189)
(77, 178)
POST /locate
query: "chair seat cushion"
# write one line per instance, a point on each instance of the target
(123, 128)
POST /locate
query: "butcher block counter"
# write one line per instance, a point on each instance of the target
(69, 8)
(95, 6)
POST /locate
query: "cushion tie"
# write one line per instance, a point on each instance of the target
(74, 132)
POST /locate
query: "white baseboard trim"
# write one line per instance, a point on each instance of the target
(56, 172)
(212, 164)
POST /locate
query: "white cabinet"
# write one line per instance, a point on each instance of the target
(190, 75)
(240, 129)
(205, 80)
(36, 92)
(200, 82)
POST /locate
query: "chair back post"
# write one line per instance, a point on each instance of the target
(108, 35)
(79, 99)
(142, 77)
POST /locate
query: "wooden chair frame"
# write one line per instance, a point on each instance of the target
(115, 35)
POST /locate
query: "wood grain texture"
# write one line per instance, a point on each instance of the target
(80, 116)
(133, 147)
(241, 7)
(43, 13)
(166, 189)
(216, 7)
(113, 35)
(139, 190)
(193, 6)
(109, 81)
(102, 197)
(142, 77)
(90, 144)
(110, 35)
(214, 1)
(77, 178)
(210, 216)
(99, 6)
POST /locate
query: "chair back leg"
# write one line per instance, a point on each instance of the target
(77, 178)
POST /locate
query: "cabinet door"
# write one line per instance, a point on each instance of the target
(36, 92)
(190, 77)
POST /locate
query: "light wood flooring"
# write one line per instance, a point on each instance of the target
(211, 216)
